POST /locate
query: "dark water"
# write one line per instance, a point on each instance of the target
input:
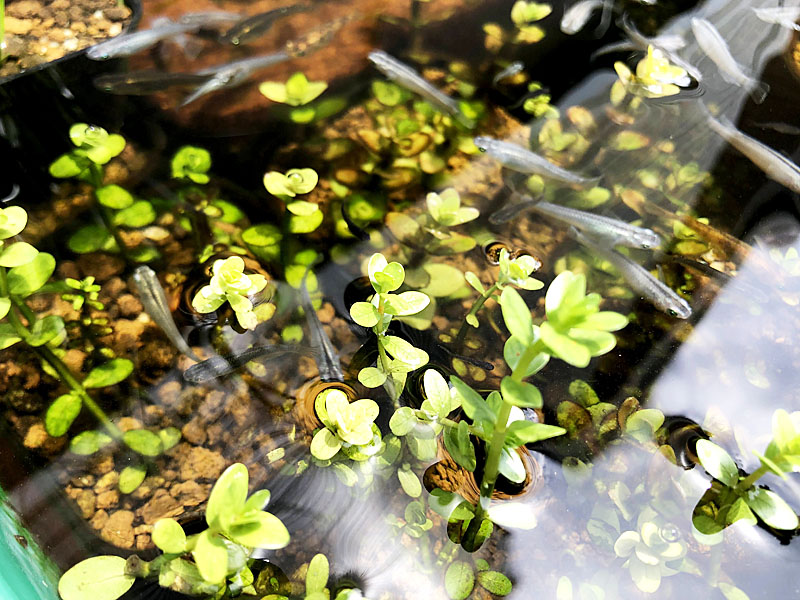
(728, 368)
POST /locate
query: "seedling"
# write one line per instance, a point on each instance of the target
(209, 563)
(230, 284)
(396, 356)
(192, 163)
(513, 271)
(348, 427)
(299, 93)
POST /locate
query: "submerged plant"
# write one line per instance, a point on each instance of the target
(230, 284)
(208, 564)
(192, 163)
(737, 498)
(298, 92)
(396, 356)
(655, 77)
(348, 426)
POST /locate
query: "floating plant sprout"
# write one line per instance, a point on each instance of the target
(230, 284)
(210, 563)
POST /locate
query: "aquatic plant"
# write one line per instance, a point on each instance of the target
(524, 15)
(302, 216)
(461, 577)
(230, 284)
(2, 31)
(396, 356)
(192, 163)
(431, 230)
(94, 148)
(236, 524)
(655, 77)
(737, 498)
(298, 92)
(347, 426)
(513, 271)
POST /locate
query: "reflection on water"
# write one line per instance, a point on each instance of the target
(618, 511)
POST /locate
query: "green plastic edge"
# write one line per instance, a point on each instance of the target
(25, 572)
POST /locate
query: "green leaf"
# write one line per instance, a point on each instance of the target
(169, 536)
(305, 224)
(211, 556)
(169, 437)
(563, 347)
(472, 402)
(450, 506)
(739, 511)
(259, 529)
(8, 336)
(511, 465)
(143, 441)
(5, 306)
(62, 413)
(317, 574)
(88, 442)
(459, 580)
(495, 582)
(407, 303)
(96, 578)
(228, 497)
(519, 393)
(301, 208)
(192, 162)
(772, 509)
(371, 377)
(717, 463)
(475, 282)
(28, 278)
(131, 478)
(517, 315)
(325, 444)
(17, 254)
(45, 330)
(139, 214)
(403, 421)
(114, 197)
(90, 238)
(110, 373)
(365, 314)
(409, 482)
(257, 501)
(731, 592)
(67, 165)
(525, 432)
(437, 393)
(264, 234)
(404, 351)
(459, 445)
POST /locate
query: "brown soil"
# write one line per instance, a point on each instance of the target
(40, 31)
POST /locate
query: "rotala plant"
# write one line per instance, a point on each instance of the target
(208, 564)
(230, 284)
(575, 330)
(396, 356)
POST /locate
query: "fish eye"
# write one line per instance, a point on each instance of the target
(672, 313)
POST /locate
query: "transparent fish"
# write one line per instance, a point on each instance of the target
(317, 38)
(577, 15)
(406, 77)
(141, 83)
(329, 364)
(232, 74)
(618, 233)
(511, 70)
(131, 43)
(210, 19)
(510, 211)
(155, 304)
(785, 16)
(715, 47)
(220, 366)
(783, 128)
(519, 159)
(250, 28)
(775, 166)
(641, 281)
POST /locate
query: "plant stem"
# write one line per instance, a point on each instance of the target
(748, 481)
(2, 30)
(383, 358)
(495, 447)
(476, 306)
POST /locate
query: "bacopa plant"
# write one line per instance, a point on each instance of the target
(396, 356)
(229, 283)
(193, 163)
(349, 427)
(209, 564)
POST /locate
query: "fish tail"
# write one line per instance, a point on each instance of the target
(758, 91)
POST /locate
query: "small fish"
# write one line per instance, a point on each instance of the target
(754, 293)
(511, 70)
(210, 19)
(317, 38)
(775, 166)
(519, 159)
(618, 233)
(220, 366)
(785, 16)
(783, 128)
(508, 212)
(155, 304)
(232, 74)
(577, 15)
(641, 281)
(408, 78)
(712, 43)
(131, 43)
(328, 363)
(250, 28)
(141, 83)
